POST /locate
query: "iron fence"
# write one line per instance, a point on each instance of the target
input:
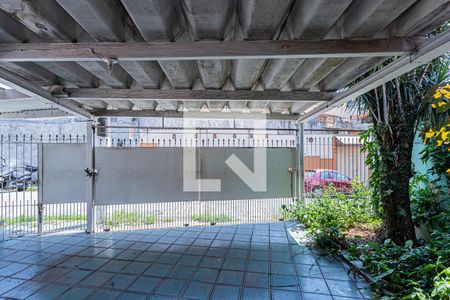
(333, 157)
(19, 188)
(192, 213)
(335, 152)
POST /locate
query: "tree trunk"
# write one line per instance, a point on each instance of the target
(396, 171)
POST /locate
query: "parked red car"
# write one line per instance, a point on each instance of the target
(316, 180)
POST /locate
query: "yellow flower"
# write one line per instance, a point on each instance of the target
(442, 103)
(439, 143)
(448, 171)
(443, 91)
(433, 105)
(445, 135)
(429, 134)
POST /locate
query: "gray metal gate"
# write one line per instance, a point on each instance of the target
(20, 209)
(19, 188)
(139, 184)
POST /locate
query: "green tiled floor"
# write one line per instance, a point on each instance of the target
(252, 261)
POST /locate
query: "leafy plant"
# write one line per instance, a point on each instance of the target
(150, 219)
(408, 272)
(208, 218)
(29, 219)
(20, 219)
(428, 206)
(441, 285)
(329, 214)
(436, 136)
(371, 148)
(397, 108)
(439, 157)
(130, 218)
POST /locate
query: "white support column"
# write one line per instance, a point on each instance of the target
(90, 172)
(300, 163)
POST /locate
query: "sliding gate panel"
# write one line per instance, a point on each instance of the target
(242, 186)
(140, 175)
(61, 173)
(155, 175)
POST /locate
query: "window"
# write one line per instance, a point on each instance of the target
(325, 175)
(339, 176)
(310, 173)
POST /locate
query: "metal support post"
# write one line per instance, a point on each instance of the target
(40, 190)
(90, 173)
(300, 163)
(294, 173)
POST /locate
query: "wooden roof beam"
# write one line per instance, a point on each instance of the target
(206, 50)
(145, 113)
(80, 94)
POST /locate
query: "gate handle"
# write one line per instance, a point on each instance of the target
(90, 173)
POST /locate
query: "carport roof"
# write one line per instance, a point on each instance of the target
(285, 58)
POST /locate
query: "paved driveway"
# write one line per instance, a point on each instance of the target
(251, 261)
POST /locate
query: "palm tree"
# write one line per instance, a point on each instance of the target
(397, 109)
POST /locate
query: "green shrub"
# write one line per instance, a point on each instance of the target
(20, 219)
(329, 214)
(150, 219)
(409, 273)
(371, 147)
(208, 218)
(30, 219)
(119, 218)
(65, 218)
(429, 206)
